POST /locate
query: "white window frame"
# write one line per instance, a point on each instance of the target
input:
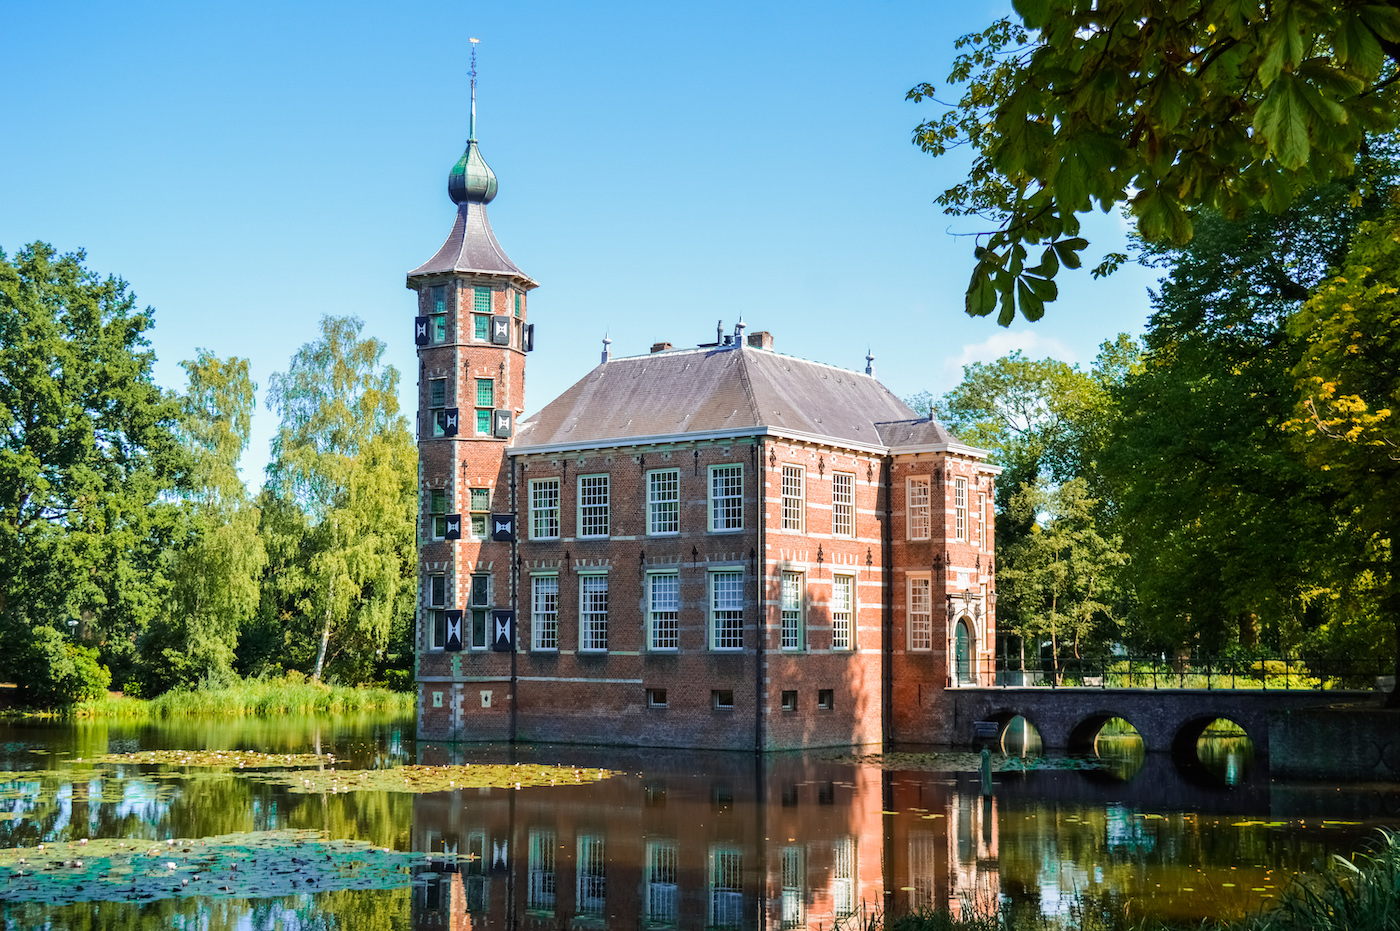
(545, 517)
(843, 512)
(594, 510)
(794, 497)
(729, 638)
(726, 510)
(591, 882)
(843, 631)
(792, 587)
(542, 875)
(919, 515)
(665, 505)
(475, 514)
(592, 623)
(844, 876)
(436, 617)
(960, 509)
(663, 618)
(436, 530)
(430, 596)
(662, 882)
(919, 590)
(544, 613)
(726, 887)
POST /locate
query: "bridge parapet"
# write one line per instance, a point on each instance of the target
(1168, 719)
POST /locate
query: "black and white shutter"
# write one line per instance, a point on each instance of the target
(500, 424)
(503, 631)
(500, 330)
(447, 420)
(454, 527)
(452, 643)
(420, 331)
(503, 528)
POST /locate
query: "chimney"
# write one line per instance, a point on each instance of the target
(660, 347)
(761, 340)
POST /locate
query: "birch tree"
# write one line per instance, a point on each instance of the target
(345, 457)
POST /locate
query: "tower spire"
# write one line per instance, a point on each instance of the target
(471, 127)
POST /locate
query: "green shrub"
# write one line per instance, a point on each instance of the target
(60, 671)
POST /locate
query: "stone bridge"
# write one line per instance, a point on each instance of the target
(1068, 719)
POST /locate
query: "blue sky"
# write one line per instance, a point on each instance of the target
(251, 167)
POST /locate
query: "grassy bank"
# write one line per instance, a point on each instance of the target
(250, 698)
(1357, 894)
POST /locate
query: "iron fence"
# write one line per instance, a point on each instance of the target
(1186, 671)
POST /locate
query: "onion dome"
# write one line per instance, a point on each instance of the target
(471, 179)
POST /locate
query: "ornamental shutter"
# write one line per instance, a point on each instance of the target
(500, 330)
(503, 528)
(452, 643)
(447, 420)
(420, 331)
(454, 527)
(500, 427)
(503, 631)
(527, 339)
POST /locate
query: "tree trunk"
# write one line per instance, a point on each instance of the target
(325, 636)
(1392, 607)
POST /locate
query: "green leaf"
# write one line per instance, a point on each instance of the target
(1033, 12)
(1068, 251)
(1282, 119)
(1032, 307)
(981, 295)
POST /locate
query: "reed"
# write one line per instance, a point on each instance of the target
(251, 698)
(1359, 894)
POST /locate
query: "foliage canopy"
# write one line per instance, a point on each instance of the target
(1164, 107)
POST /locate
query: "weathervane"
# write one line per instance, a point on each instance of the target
(471, 134)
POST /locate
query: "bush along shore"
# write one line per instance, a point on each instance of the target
(243, 698)
(1361, 893)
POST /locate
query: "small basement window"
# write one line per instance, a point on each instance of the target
(826, 699)
(790, 700)
(656, 698)
(722, 699)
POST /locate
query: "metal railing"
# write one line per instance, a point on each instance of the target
(1186, 671)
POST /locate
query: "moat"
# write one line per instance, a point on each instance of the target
(664, 839)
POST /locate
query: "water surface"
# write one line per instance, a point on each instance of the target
(670, 840)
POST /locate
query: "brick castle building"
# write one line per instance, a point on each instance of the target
(718, 546)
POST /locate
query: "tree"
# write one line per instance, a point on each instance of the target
(1057, 580)
(88, 457)
(1038, 416)
(1348, 416)
(344, 456)
(1234, 541)
(1164, 107)
(216, 560)
(1045, 421)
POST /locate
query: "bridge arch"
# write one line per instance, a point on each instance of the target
(1185, 747)
(1082, 735)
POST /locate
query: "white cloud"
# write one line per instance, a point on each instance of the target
(1032, 345)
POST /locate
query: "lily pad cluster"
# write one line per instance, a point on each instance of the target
(228, 759)
(256, 863)
(434, 778)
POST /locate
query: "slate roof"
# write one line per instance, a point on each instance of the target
(471, 247)
(722, 390)
(923, 432)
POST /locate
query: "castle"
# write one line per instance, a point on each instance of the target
(719, 546)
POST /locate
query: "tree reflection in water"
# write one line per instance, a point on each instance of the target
(697, 840)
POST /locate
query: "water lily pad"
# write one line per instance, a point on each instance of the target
(418, 779)
(261, 863)
(224, 759)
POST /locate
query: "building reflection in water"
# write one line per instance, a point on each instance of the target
(699, 841)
